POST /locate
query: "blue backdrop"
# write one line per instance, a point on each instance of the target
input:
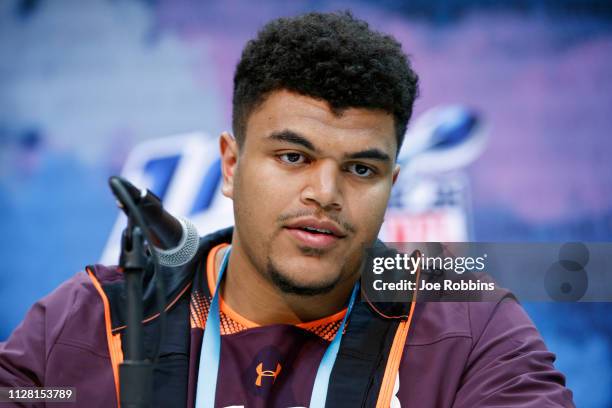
(82, 83)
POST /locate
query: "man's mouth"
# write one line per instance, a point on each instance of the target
(315, 233)
(317, 230)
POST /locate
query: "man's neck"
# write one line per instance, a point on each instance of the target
(251, 295)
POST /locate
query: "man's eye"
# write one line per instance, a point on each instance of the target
(360, 170)
(292, 158)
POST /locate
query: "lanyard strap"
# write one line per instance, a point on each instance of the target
(319, 390)
(211, 348)
(211, 352)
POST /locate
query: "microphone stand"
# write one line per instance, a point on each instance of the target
(136, 371)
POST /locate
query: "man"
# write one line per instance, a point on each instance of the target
(321, 104)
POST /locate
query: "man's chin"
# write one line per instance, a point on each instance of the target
(291, 286)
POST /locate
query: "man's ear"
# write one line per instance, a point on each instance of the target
(229, 160)
(396, 172)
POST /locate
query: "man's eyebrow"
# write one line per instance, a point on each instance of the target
(290, 136)
(374, 153)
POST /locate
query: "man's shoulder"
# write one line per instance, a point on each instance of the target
(72, 313)
(466, 352)
(436, 321)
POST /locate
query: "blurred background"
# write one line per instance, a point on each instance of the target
(510, 139)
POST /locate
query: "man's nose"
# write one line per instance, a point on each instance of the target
(323, 186)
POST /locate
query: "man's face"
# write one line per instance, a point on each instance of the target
(310, 189)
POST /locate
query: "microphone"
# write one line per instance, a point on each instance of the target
(175, 239)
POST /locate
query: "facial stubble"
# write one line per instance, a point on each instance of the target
(290, 287)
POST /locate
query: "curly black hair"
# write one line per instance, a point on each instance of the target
(330, 56)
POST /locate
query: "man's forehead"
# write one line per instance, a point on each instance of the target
(314, 118)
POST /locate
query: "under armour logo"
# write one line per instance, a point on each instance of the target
(266, 373)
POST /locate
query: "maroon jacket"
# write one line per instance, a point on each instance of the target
(457, 354)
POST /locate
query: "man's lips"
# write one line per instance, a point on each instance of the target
(315, 233)
(313, 240)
